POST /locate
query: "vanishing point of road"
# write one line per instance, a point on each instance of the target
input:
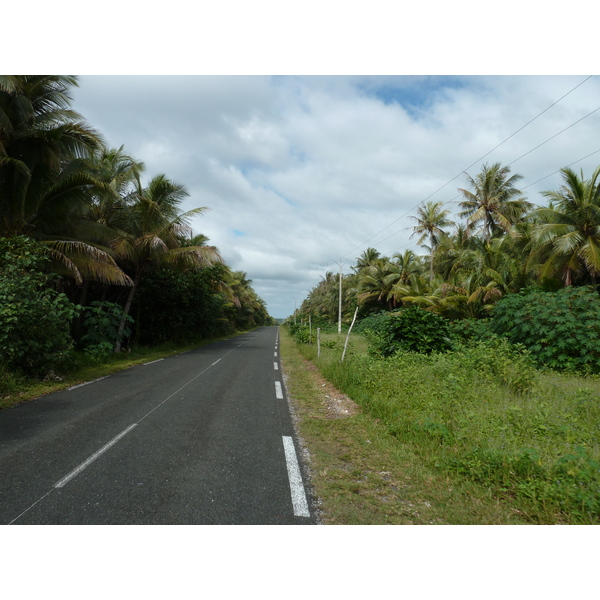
(203, 437)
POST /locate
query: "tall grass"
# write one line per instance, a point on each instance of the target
(483, 412)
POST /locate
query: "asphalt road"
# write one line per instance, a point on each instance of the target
(204, 437)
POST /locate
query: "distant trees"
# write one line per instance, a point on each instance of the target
(503, 244)
(493, 201)
(431, 221)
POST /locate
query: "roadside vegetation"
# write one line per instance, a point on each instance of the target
(95, 258)
(480, 356)
(513, 443)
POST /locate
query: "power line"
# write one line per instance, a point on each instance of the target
(555, 135)
(569, 165)
(524, 187)
(475, 162)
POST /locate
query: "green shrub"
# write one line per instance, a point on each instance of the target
(374, 324)
(35, 319)
(173, 306)
(411, 329)
(101, 324)
(560, 329)
(10, 381)
(302, 333)
(466, 330)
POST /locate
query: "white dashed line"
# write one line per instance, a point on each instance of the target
(278, 390)
(299, 501)
(276, 366)
(93, 457)
(98, 453)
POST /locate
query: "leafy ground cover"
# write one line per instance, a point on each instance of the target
(523, 441)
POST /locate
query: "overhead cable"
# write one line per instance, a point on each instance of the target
(480, 158)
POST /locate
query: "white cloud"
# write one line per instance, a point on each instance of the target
(310, 168)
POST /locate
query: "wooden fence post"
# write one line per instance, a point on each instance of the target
(348, 336)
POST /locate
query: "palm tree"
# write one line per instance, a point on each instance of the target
(154, 227)
(431, 219)
(453, 251)
(120, 175)
(566, 234)
(494, 201)
(44, 185)
(39, 135)
(408, 265)
(366, 259)
(376, 281)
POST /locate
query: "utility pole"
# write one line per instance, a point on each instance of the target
(340, 303)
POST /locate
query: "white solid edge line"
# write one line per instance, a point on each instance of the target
(92, 458)
(278, 390)
(74, 387)
(299, 501)
(153, 361)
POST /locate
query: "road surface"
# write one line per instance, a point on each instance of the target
(204, 437)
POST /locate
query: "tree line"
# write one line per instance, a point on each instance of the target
(501, 244)
(77, 221)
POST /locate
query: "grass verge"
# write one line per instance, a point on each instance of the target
(362, 474)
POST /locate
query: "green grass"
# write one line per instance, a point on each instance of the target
(360, 471)
(485, 418)
(15, 388)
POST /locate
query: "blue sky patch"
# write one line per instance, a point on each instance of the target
(413, 93)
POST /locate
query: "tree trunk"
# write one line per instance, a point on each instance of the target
(82, 300)
(132, 291)
(84, 292)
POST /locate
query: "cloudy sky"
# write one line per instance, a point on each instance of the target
(301, 173)
(314, 130)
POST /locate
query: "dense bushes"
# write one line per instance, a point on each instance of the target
(34, 318)
(101, 326)
(412, 329)
(560, 329)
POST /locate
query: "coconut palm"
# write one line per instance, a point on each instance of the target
(494, 201)
(452, 253)
(376, 281)
(366, 259)
(566, 234)
(44, 185)
(408, 265)
(151, 238)
(431, 220)
(120, 174)
(39, 135)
